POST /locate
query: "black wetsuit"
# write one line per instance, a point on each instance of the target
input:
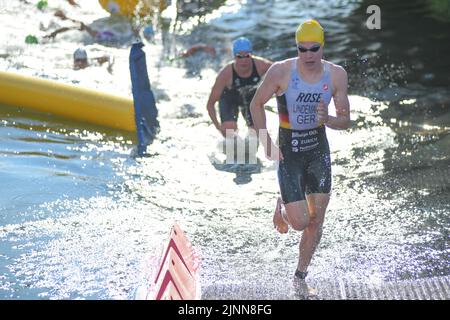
(306, 167)
(239, 96)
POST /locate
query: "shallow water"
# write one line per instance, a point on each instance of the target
(82, 219)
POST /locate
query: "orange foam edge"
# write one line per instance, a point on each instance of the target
(177, 277)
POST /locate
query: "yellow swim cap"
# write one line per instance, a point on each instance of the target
(310, 31)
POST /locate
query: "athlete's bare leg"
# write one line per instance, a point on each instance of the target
(297, 214)
(294, 214)
(317, 205)
(278, 221)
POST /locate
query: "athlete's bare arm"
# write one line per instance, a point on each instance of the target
(262, 65)
(200, 46)
(222, 80)
(341, 102)
(273, 83)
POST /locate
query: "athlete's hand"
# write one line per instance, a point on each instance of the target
(322, 112)
(273, 152)
(223, 132)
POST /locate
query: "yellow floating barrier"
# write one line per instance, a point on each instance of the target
(67, 101)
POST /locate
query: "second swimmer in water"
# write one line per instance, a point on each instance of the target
(235, 86)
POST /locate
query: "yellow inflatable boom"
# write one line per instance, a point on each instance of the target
(131, 8)
(67, 101)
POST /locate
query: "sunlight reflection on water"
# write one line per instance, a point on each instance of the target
(81, 217)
